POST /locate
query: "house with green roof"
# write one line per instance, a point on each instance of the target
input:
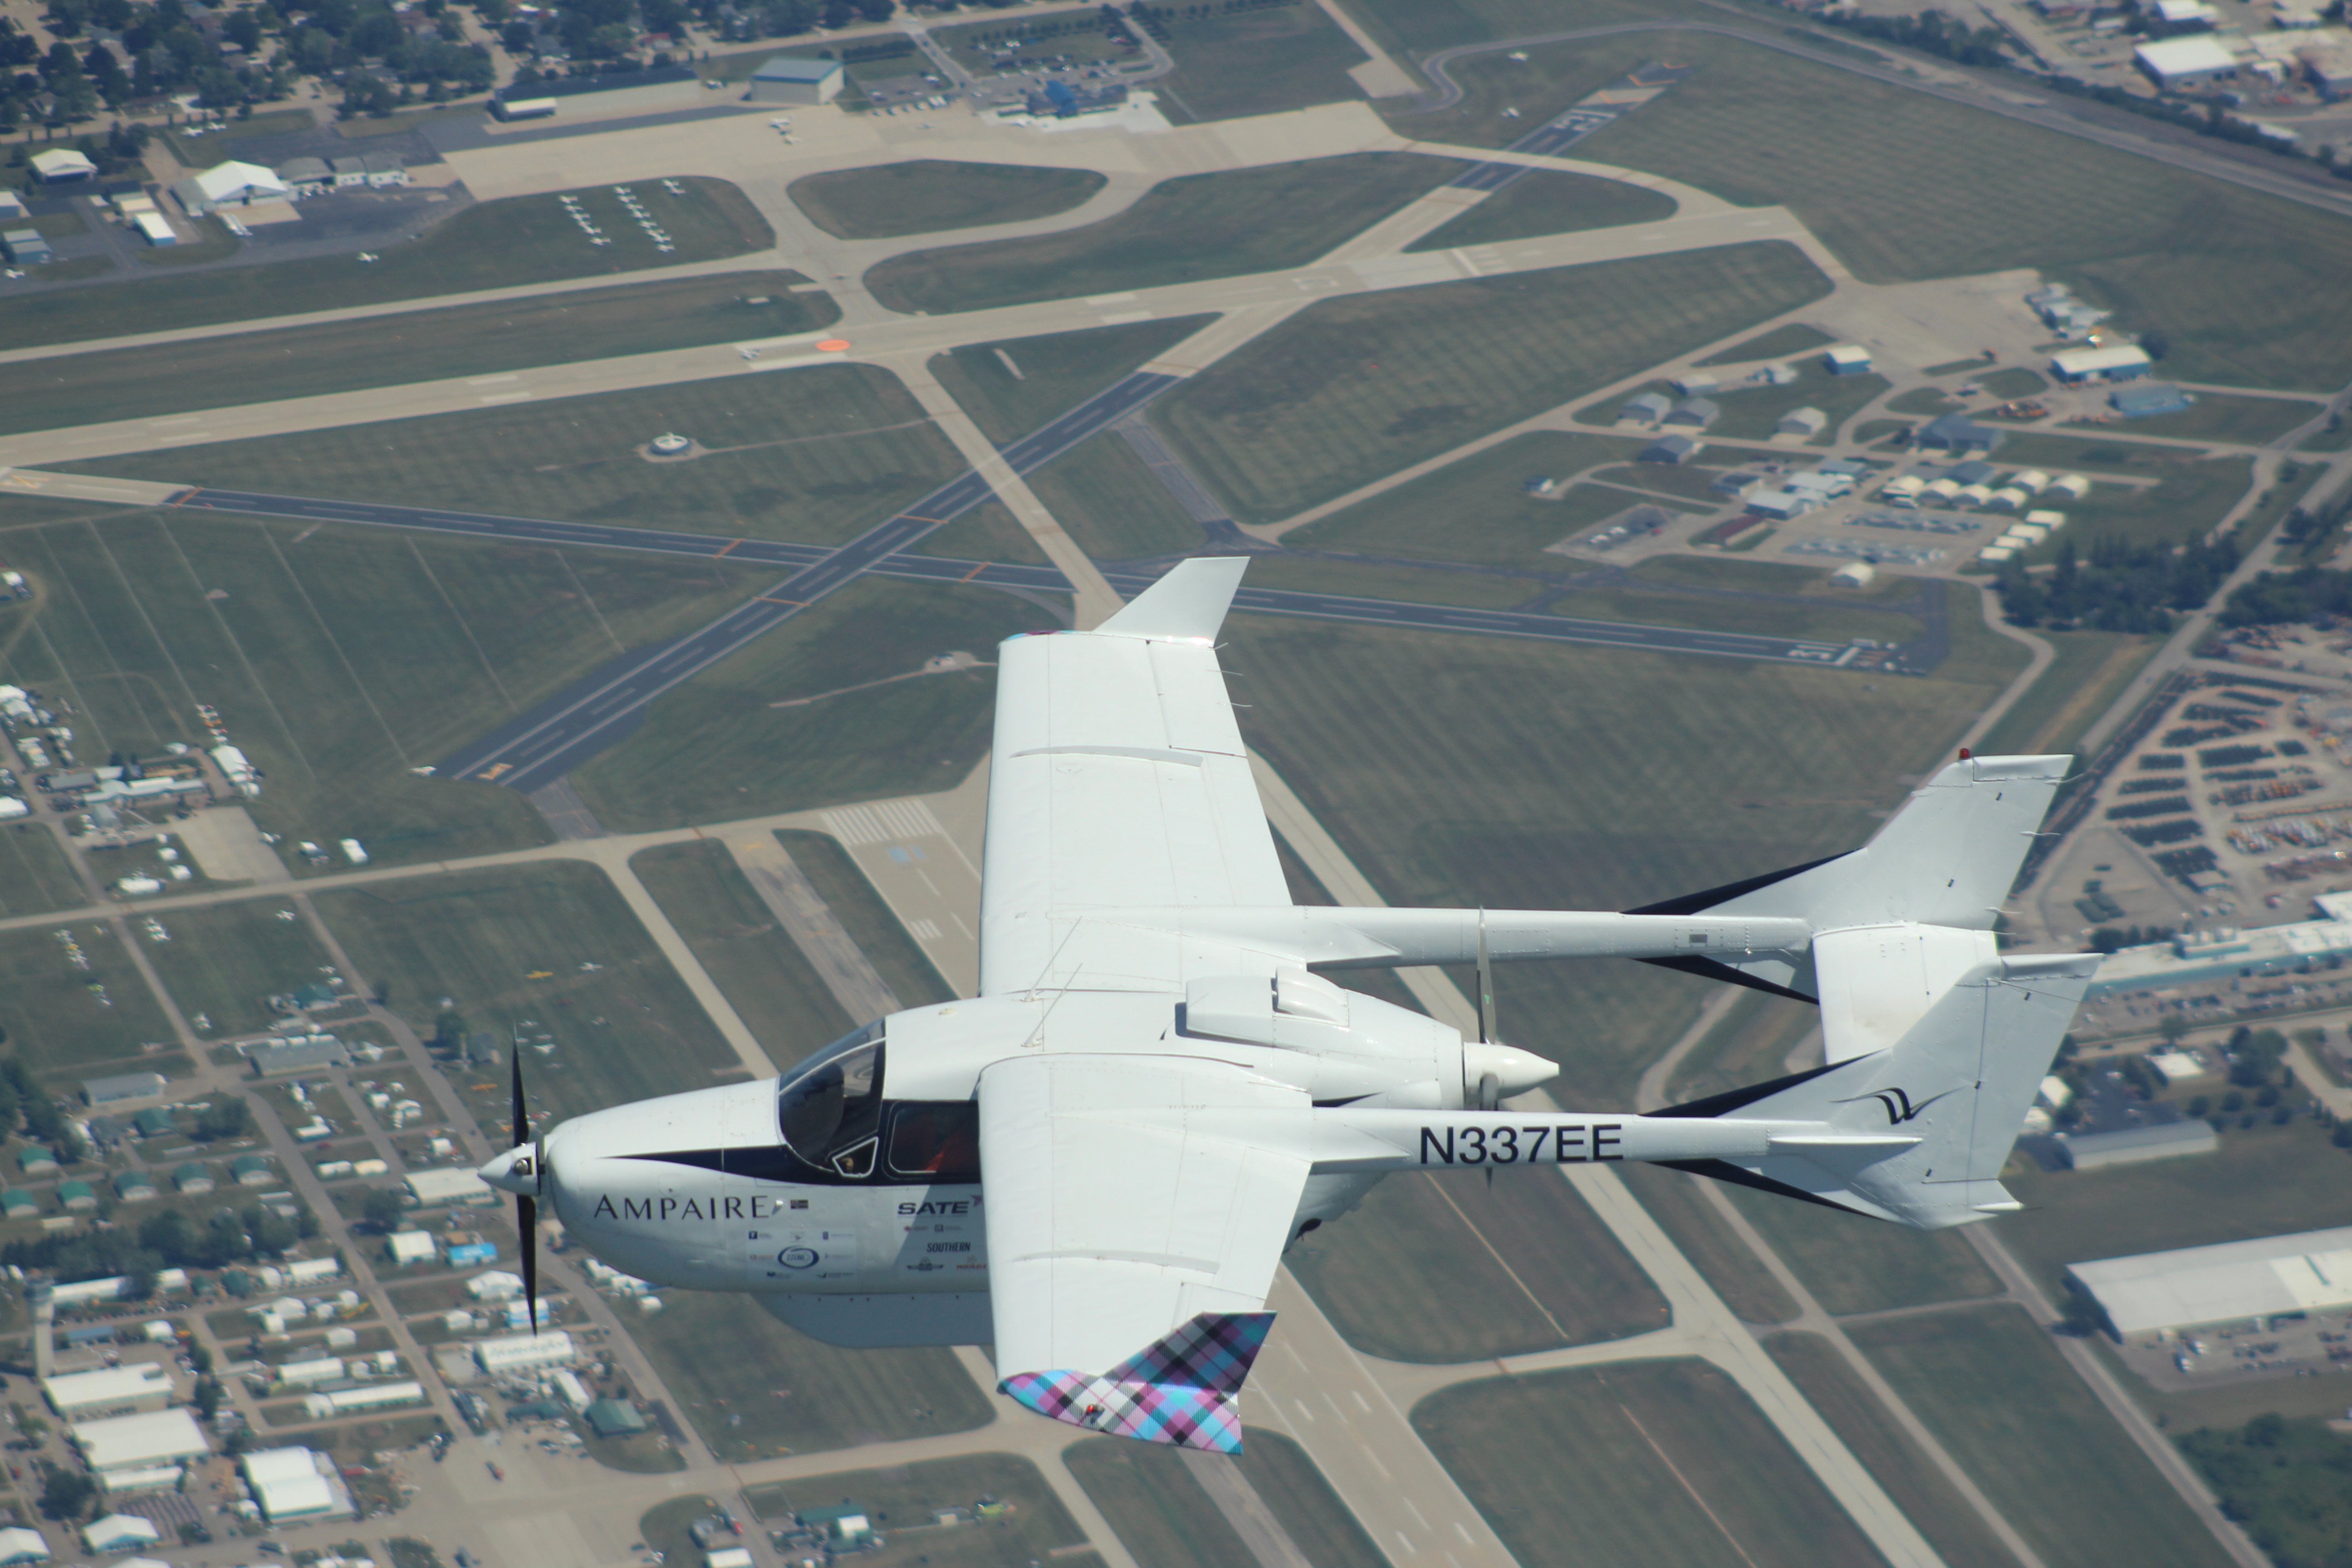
(155, 1123)
(192, 1178)
(613, 1418)
(77, 1196)
(18, 1204)
(36, 1160)
(252, 1171)
(134, 1186)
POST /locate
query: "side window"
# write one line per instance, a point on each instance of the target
(937, 1139)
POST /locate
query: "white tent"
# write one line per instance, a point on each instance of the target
(120, 1532)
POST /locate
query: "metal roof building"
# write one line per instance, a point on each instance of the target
(2177, 63)
(2131, 1145)
(788, 79)
(108, 1391)
(2236, 1281)
(2118, 361)
(136, 1442)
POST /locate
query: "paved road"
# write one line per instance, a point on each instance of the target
(590, 715)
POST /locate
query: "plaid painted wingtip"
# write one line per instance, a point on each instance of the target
(1183, 1390)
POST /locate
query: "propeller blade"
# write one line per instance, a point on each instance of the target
(1485, 986)
(527, 1223)
(521, 1111)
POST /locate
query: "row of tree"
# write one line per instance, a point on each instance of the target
(2123, 587)
(169, 1239)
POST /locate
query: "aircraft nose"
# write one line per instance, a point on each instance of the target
(516, 1171)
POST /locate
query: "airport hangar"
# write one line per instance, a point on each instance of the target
(2159, 1294)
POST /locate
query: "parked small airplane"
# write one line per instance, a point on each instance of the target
(1096, 1164)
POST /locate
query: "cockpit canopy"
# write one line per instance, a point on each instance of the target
(833, 1116)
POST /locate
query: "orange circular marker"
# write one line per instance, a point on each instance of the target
(834, 346)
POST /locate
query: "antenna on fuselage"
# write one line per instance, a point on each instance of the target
(1490, 1087)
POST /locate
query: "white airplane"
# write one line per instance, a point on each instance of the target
(1096, 1164)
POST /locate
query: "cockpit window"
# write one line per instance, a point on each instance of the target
(829, 1109)
(937, 1139)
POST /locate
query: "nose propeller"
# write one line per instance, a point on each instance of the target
(524, 1168)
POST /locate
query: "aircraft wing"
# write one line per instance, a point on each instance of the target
(1118, 780)
(1131, 1249)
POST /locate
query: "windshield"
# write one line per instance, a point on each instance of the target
(829, 1109)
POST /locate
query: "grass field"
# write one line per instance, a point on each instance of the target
(1994, 1389)
(338, 659)
(222, 961)
(1604, 780)
(1477, 509)
(1361, 385)
(2219, 417)
(1225, 224)
(1679, 1203)
(625, 1029)
(1855, 1265)
(903, 1500)
(2263, 1181)
(925, 195)
(1904, 186)
(1749, 1043)
(817, 455)
(1928, 1500)
(521, 239)
(982, 48)
(1261, 60)
(903, 967)
(391, 350)
(1649, 1462)
(717, 749)
(64, 1023)
(1446, 1268)
(1654, 598)
(2188, 497)
(1105, 496)
(1752, 412)
(34, 875)
(779, 996)
(2090, 669)
(1545, 201)
(1163, 1516)
(1049, 375)
(1780, 342)
(1311, 1513)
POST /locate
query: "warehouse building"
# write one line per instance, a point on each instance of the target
(2226, 953)
(295, 1484)
(1646, 408)
(155, 1440)
(1805, 422)
(2160, 1293)
(1957, 433)
(62, 167)
(2183, 65)
(25, 246)
(123, 1087)
(367, 1397)
(1673, 449)
(788, 79)
(119, 1533)
(430, 1189)
(2118, 361)
(2146, 399)
(18, 1544)
(1697, 413)
(1846, 358)
(525, 1353)
(229, 185)
(2136, 1145)
(107, 1392)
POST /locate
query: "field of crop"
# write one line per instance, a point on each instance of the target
(754, 1388)
(1515, 775)
(817, 455)
(1994, 1389)
(925, 195)
(903, 1501)
(65, 1022)
(1649, 1462)
(1255, 60)
(1013, 387)
(522, 239)
(2263, 1181)
(1903, 186)
(1311, 1513)
(1162, 1515)
(1926, 1498)
(338, 659)
(552, 943)
(1225, 224)
(1358, 386)
(718, 748)
(416, 346)
(34, 875)
(736, 936)
(1549, 202)
(223, 959)
(902, 964)
(1447, 1268)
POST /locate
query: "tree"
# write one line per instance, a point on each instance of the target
(384, 1208)
(228, 1117)
(2173, 1027)
(208, 1397)
(65, 1494)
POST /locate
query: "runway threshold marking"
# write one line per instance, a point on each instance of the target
(184, 500)
(730, 545)
(795, 603)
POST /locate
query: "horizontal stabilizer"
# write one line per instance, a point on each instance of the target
(1183, 1390)
(1187, 604)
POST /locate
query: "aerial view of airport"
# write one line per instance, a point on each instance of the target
(1165, 568)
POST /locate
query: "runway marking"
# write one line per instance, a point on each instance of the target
(1406, 1541)
(491, 380)
(1710, 1513)
(911, 517)
(1416, 1513)
(509, 397)
(184, 500)
(730, 545)
(975, 571)
(795, 603)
